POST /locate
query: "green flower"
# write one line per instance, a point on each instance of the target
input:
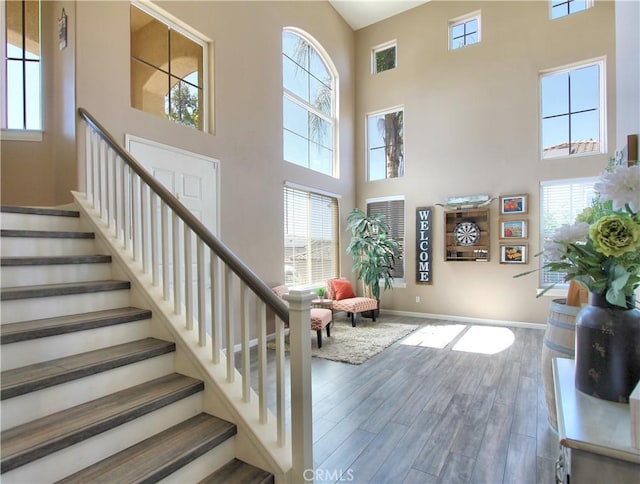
(615, 235)
(588, 215)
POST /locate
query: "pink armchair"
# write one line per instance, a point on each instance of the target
(345, 299)
(320, 318)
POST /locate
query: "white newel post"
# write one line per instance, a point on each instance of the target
(300, 364)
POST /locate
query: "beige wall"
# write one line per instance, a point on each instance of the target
(471, 127)
(43, 173)
(471, 123)
(246, 133)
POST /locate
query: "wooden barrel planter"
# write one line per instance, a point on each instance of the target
(559, 342)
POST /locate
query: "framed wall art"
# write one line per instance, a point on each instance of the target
(513, 229)
(513, 204)
(513, 253)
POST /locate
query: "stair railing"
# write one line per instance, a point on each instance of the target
(160, 234)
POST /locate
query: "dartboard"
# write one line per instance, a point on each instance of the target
(466, 233)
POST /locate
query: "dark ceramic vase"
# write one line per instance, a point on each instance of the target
(607, 349)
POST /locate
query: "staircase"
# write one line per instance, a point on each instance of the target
(87, 393)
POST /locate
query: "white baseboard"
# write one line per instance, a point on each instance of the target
(465, 319)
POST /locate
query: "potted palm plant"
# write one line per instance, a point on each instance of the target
(373, 250)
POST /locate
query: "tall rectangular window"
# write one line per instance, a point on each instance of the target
(21, 69)
(464, 31)
(167, 68)
(572, 114)
(562, 8)
(560, 202)
(385, 145)
(311, 242)
(393, 210)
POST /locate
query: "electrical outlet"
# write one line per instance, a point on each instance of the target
(417, 299)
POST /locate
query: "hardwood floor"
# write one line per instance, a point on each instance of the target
(417, 414)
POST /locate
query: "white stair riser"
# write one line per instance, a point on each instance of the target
(23, 408)
(76, 457)
(13, 276)
(22, 221)
(50, 307)
(45, 246)
(204, 465)
(38, 350)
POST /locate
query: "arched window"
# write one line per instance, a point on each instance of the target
(308, 104)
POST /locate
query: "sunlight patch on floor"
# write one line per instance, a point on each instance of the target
(434, 335)
(486, 340)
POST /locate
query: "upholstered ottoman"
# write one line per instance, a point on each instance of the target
(320, 319)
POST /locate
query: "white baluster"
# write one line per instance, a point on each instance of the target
(135, 215)
(126, 189)
(119, 198)
(88, 149)
(202, 303)
(102, 165)
(262, 361)
(95, 170)
(244, 336)
(216, 307)
(280, 389)
(188, 275)
(177, 266)
(166, 273)
(111, 190)
(155, 240)
(231, 375)
(144, 221)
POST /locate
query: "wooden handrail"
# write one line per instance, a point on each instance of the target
(257, 285)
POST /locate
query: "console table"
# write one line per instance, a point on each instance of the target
(595, 434)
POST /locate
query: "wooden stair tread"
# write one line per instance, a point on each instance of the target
(238, 472)
(40, 328)
(40, 211)
(47, 234)
(19, 381)
(55, 260)
(38, 438)
(160, 455)
(62, 289)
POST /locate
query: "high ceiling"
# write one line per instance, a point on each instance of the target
(360, 13)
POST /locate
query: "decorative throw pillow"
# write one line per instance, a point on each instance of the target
(342, 289)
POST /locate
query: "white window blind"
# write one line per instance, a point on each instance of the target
(310, 237)
(393, 211)
(561, 202)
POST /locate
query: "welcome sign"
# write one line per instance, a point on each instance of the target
(423, 245)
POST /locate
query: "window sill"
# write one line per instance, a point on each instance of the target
(21, 135)
(555, 292)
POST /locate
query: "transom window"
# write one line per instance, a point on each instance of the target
(561, 201)
(167, 69)
(393, 210)
(562, 8)
(572, 118)
(21, 68)
(309, 105)
(384, 57)
(385, 144)
(464, 31)
(311, 242)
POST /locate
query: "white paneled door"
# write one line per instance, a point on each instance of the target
(191, 177)
(194, 180)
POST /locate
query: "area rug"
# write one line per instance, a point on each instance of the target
(357, 345)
